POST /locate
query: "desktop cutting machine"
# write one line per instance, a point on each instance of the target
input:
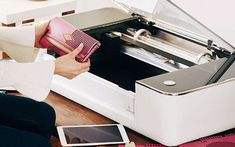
(159, 71)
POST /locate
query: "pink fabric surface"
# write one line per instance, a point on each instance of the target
(215, 141)
(146, 145)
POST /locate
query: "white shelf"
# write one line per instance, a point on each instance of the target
(16, 11)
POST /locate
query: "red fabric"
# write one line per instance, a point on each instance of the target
(216, 141)
(146, 145)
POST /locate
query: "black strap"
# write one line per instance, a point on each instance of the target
(222, 69)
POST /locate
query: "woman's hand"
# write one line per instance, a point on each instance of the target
(40, 30)
(68, 67)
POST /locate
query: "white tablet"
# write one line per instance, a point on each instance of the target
(92, 135)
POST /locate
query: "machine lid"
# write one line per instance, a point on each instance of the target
(203, 19)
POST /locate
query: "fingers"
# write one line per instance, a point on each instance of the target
(75, 74)
(85, 70)
(83, 67)
(68, 67)
(40, 30)
(86, 64)
(75, 52)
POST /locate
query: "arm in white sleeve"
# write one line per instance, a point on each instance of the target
(30, 79)
(18, 42)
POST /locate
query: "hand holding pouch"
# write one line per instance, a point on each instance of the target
(62, 38)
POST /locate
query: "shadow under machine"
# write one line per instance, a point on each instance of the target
(159, 72)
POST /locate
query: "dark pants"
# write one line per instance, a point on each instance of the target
(25, 122)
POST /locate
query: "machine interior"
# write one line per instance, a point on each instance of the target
(111, 62)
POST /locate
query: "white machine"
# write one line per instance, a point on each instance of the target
(159, 71)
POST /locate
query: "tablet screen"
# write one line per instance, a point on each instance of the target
(97, 134)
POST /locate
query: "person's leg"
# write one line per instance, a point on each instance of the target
(11, 137)
(27, 114)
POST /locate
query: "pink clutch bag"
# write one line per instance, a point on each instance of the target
(62, 37)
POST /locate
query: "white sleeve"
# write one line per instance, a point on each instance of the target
(22, 35)
(18, 42)
(31, 79)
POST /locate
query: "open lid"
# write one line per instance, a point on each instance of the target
(203, 19)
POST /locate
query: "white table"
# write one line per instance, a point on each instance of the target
(16, 12)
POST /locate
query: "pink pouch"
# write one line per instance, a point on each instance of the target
(62, 37)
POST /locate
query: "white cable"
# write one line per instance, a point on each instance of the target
(203, 54)
(140, 32)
